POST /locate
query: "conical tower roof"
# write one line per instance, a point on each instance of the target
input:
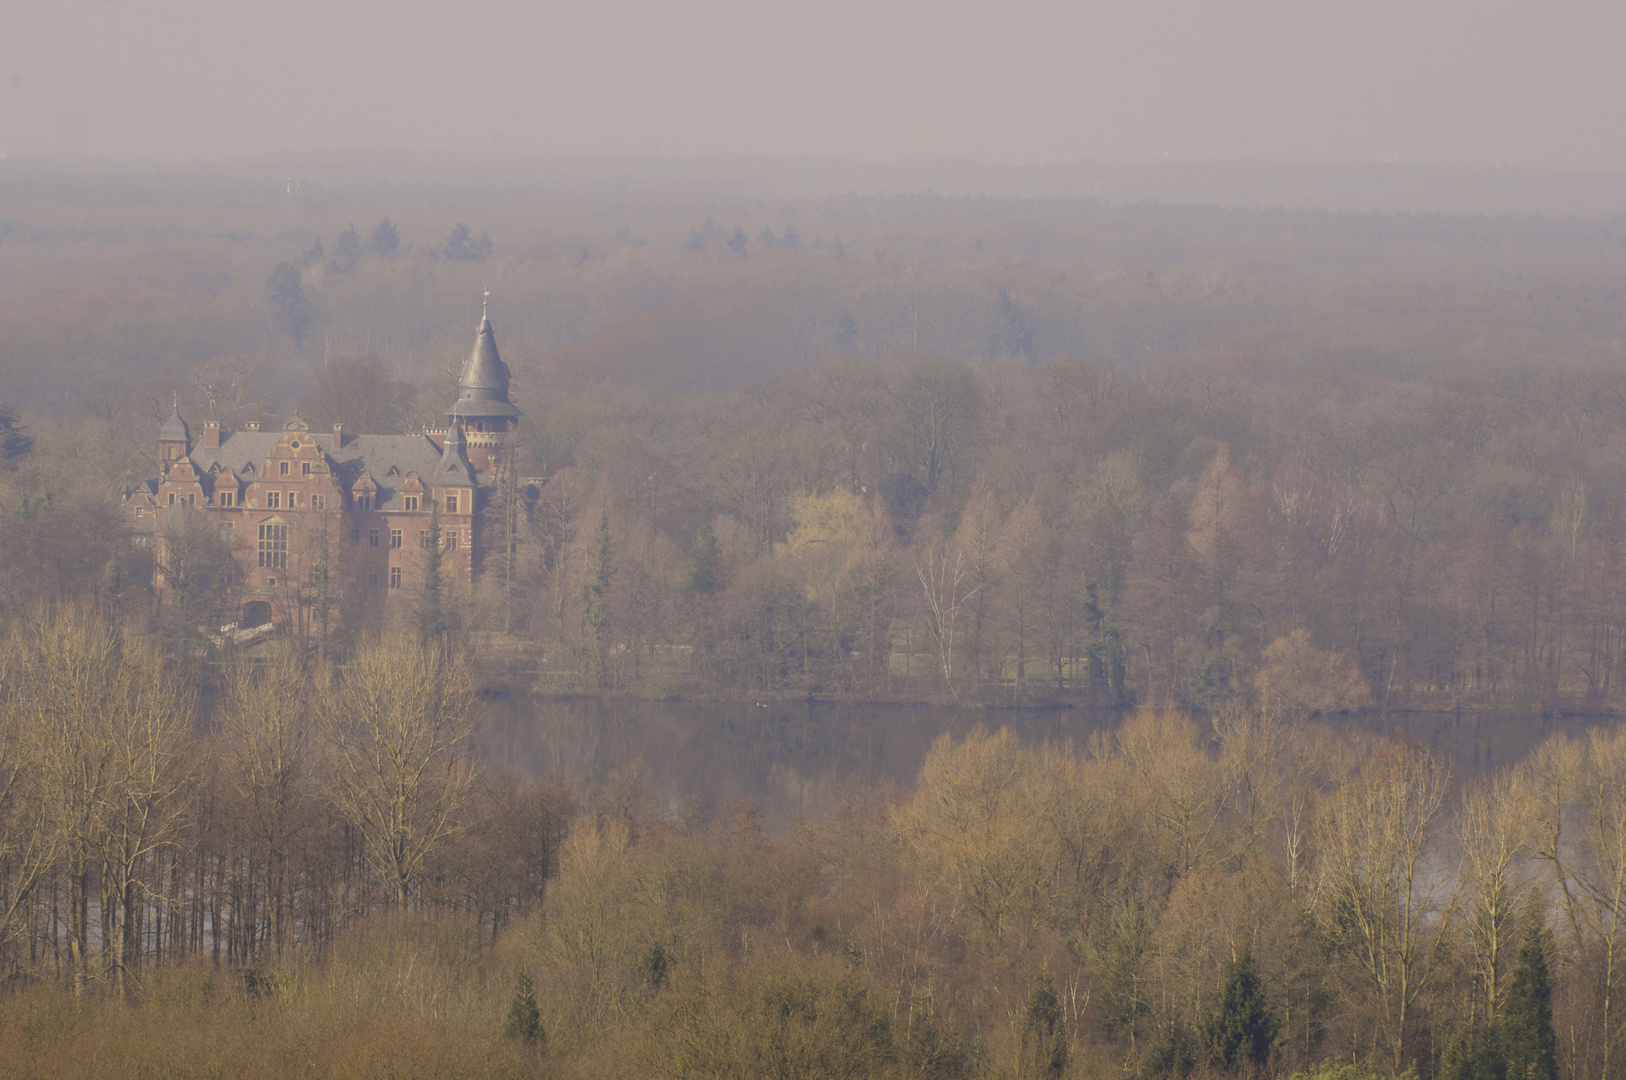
(485, 374)
(482, 388)
(175, 429)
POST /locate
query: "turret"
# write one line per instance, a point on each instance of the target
(174, 438)
(482, 412)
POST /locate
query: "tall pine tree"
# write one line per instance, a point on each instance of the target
(524, 1018)
(1241, 1029)
(1044, 1038)
(1527, 1039)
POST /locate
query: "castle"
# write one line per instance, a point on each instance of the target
(320, 524)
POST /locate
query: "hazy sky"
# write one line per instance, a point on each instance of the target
(1448, 82)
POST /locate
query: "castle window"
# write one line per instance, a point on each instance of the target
(282, 468)
(451, 540)
(372, 579)
(291, 500)
(228, 532)
(372, 537)
(271, 581)
(451, 504)
(227, 498)
(304, 468)
(273, 546)
(318, 502)
(172, 498)
(423, 539)
(355, 536)
(364, 502)
(311, 573)
(395, 538)
(411, 502)
(395, 577)
(273, 500)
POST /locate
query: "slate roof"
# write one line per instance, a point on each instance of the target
(174, 429)
(245, 453)
(482, 388)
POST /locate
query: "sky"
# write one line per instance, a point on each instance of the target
(1476, 83)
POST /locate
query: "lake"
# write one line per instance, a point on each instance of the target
(794, 759)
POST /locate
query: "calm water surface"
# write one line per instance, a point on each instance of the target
(792, 760)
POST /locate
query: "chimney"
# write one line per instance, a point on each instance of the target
(338, 436)
(211, 434)
(251, 425)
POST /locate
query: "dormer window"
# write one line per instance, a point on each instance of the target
(364, 502)
(227, 498)
(451, 504)
(282, 468)
(410, 502)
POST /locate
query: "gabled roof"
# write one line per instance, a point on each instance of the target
(454, 467)
(244, 452)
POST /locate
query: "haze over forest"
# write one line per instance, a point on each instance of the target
(1247, 379)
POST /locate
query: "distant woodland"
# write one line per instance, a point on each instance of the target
(1222, 470)
(911, 447)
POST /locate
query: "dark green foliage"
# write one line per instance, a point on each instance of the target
(13, 443)
(290, 309)
(431, 619)
(1526, 1029)
(1044, 1038)
(460, 246)
(384, 239)
(1173, 1053)
(347, 250)
(1476, 1054)
(702, 575)
(1241, 1029)
(524, 1018)
(655, 965)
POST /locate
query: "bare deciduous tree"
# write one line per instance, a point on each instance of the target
(399, 722)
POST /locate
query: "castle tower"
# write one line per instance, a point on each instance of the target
(482, 412)
(174, 439)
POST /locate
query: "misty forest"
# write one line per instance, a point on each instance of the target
(1253, 489)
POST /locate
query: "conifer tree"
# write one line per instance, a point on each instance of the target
(431, 620)
(1527, 1038)
(1044, 1039)
(1476, 1054)
(1241, 1028)
(524, 1018)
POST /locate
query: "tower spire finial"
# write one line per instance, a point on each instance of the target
(485, 303)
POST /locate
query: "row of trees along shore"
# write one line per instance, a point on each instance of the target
(321, 880)
(1186, 530)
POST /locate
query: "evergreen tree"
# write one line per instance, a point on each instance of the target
(1476, 1054)
(431, 621)
(598, 583)
(1241, 1028)
(524, 1018)
(1044, 1039)
(347, 249)
(290, 310)
(1526, 1031)
(13, 443)
(384, 239)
